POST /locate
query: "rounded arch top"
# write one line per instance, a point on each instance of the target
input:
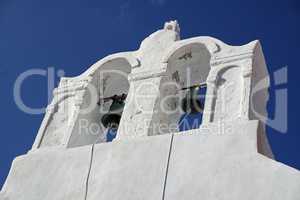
(212, 45)
(124, 56)
(128, 56)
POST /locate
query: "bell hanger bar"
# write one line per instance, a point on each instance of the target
(200, 85)
(123, 96)
(115, 97)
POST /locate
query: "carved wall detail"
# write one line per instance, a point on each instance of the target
(228, 94)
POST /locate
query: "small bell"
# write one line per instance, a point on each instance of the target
(112, 118)
(191, 103)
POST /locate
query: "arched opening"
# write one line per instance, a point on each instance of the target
(189, 67)
(193, 106)
(95, 123)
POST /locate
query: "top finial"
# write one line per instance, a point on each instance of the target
(172, 25)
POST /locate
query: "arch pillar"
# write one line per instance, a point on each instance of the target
(142, 113)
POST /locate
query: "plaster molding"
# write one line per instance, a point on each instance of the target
(231, 59)
(147, 74)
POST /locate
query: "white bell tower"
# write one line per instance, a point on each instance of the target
(227, 157)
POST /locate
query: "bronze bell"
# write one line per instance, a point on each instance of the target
(112, 118)
(191, 103)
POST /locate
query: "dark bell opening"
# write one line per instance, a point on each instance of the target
(193, 106)
(112, 119)
(192, 103)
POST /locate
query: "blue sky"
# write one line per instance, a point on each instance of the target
(72, 35)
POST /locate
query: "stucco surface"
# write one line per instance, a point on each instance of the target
(132, 170)
(204, 163)
(224, 167)
(49, 175)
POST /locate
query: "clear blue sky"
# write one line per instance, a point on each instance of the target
(73, 34)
